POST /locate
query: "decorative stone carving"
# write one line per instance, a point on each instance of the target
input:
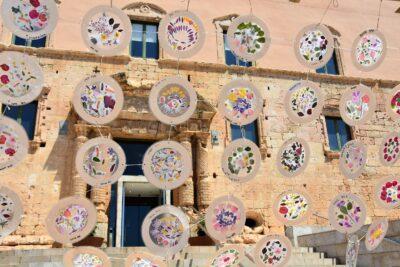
(144, 11)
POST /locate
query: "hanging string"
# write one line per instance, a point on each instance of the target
(5, 109)
(243, 131)
(326, 10)
(98, 128)
(379, 15)
(187, 6)
(169, 133)
(251, 7)
(111, 3)
(177, 68)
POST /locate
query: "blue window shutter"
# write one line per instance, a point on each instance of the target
(344, 132)
(331, 66)
(137, 40)
(39, 42)
(332, 133)
(25, 115)
(19, 41)
(230, 57)
(250, 132)
(151, 41)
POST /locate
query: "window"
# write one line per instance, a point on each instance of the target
(331, 67)
(230, 58)
(339, 133)
(32, 43)
(134, 152)
(144, 43)
(250, 132)
(24, 115)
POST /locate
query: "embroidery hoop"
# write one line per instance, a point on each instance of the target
(261, 244)
(9, 24)
(119, 101)
(147, 164)
(155, 262)
(62, 204)
(303, 217)
(378, 34)
(162, 34)
(344, 170)
(230, 149)
(306, 159)
(103, 181)
(183, 240)
(171, 81)
(238, 248)
(347, 95)
(124, 21)
(12, 225)
(332, 217)
(35, 89)
(69, 256)
(378, 189)
(210, 214)
(382, 147)
(329, 49)
(223, 97)
(395, 117)
(22, 141)
(231, 37)
(385, 226)
(317, 110)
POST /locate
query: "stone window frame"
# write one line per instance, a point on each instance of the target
(145, 12)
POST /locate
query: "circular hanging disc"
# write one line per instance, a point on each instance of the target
(14, 143)
(241, 160)
(313, 46)
(369, 50)
(357, 105)
(353, 158)
(376, 233)
(273, 250)
(98, 99)
(86, 256)
(181, 34)
(173, 100)
(293, 156)
(225, 217)
(304, 102)
(106, 30)
(293, 207)
(167, 164)
(227, 256)
(71, 219)
(33, 19)
(240, 102)
(387, 192)
(100, 161)
(11, 211)
(393, 104)
(347, 213)
(248, 37)
(21, 78)
(389, 150)
(143, 259)
(165, 230)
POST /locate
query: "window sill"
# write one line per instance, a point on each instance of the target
(331, 154)
(34, 145)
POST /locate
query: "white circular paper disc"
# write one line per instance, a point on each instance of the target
(376, 233)
(98, 99)
(227, 256)
(240, 102)
(273, 250)
(304, 102)
(106, 30)
(313, 46)
(13, 143)
(347, 213)
(357, 105)
(389, 150)
(21, 78)
(248, 37)
(71, 219)
(241, 160)
(293, 157)
(292, 207)
(100, 161)
(33, 19)
(167, 164)
(393, 104)
(165, 230)
(86, 257)
(143, 260)
(181, 34)
(225, 217)
(387, 192)
(353, 158)
(369, 50)
(11, 211)
(173, 100)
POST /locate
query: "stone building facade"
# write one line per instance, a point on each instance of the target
(48, 173)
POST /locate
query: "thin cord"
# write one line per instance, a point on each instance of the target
(379, 15)
(98, 128)
(187, 6)
(5, 109)
(251, 7)
(326, 10)
(111, 3)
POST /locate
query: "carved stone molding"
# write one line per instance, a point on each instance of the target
(144, 11)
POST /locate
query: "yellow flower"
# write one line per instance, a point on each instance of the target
(242, 92)
(232, 97)
(103, 37)
(377, 233)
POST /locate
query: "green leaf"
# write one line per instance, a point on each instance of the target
(261, 40)
(340, 216)
(96, 159)
(349, 206)
(343, 210)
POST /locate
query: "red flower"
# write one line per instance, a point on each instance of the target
(394, 183)
(10, 152)
(2, 140)
(43, 17)
(4, 67)
(35, 3)
(4, 79)
(33, 14)
(365, 99)
(283, 210)
(388, 184)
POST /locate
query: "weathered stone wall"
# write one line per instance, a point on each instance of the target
(47, 173)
